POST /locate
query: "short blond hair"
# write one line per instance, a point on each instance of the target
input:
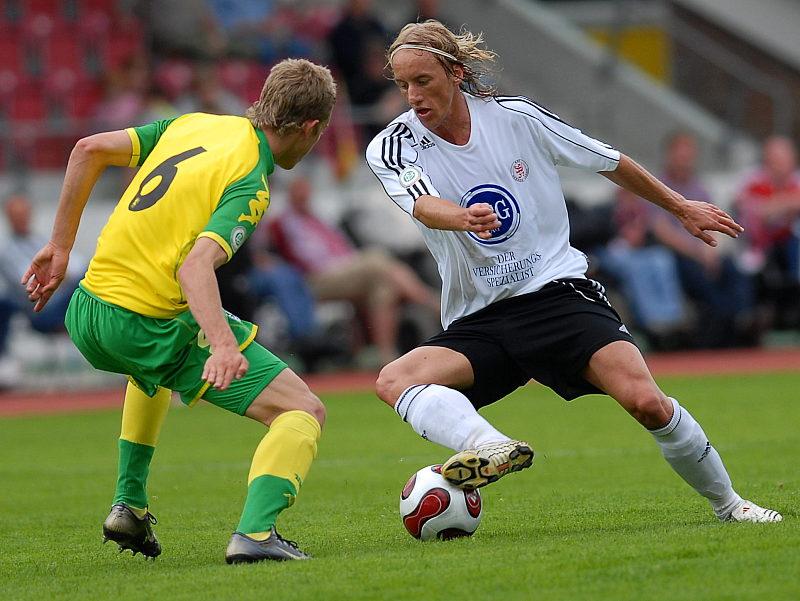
(465, 47)
(296, 91)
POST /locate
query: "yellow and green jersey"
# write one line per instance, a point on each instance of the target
(201, 176)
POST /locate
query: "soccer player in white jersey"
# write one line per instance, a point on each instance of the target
(477, 173)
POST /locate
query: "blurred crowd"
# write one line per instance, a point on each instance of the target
(325, 297)
(681, 293)
(72, 67)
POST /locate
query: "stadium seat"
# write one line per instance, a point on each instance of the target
(54, 8)
(28, 103)
(119, 48)
(62, 49)
(11, 54)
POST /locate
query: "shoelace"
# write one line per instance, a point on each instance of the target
(150, 518)
(291, 543)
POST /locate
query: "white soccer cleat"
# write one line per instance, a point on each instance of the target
(748, 511)
(473, 468)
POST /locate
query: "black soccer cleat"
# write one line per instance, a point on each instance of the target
(243, 549)
(130, 532)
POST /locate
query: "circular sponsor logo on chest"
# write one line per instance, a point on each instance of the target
(504, 205)
(519, 170)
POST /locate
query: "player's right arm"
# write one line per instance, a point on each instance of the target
(88, 160)
(439, 214)
(199, 284)
(392, 159)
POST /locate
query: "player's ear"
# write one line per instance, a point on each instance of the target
(312, 127)
(458, 73)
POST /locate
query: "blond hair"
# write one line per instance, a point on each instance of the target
(296, 91)
(464, 47)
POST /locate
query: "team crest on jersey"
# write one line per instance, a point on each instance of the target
(519, 170)
(505, 206)
(410, 176)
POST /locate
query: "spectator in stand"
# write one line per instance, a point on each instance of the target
(768, 204)
(187, 28)
(373, 95)
(352, 43)
(646, 274)
(722, 293)
(9, 367)
(15, 256)
(124, 95)
(262, 29)
(272, 278)
(336, 270)
(208, 95)
(157, 106)
(428, 9)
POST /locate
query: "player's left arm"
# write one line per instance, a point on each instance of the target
(199, 284)
(88, 160)
(699, 218)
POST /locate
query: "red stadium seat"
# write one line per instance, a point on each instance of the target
(44, 7)
(28, 103)
(62, 49)
(120, 48)
(12, 56)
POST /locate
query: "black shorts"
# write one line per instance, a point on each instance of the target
(548, 335)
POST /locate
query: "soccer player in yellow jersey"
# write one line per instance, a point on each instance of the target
(149, 306)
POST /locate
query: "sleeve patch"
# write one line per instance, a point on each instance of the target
(238, 237)
(409, 176)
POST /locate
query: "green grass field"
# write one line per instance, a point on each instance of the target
(600, 516)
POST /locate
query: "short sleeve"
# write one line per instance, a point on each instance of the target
(144, 138)
(239, 211)
(565, 144)
(570, 147)
(392, 157)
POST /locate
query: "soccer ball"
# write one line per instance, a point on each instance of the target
(432, 508)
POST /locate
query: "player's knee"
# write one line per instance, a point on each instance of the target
(310, 403)
(390, 384)
(651, 409)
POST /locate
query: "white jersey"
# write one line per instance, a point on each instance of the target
(509, 162)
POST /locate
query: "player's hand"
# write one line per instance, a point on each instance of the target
(45, 274)
(700, 218)
(224, 364)
(481, 219)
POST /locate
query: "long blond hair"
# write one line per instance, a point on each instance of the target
(296, 91)
(464, 47)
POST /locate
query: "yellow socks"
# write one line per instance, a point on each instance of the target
(280, 464)
(142, 418)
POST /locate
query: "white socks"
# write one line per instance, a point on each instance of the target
(445, 416)
(686, 448)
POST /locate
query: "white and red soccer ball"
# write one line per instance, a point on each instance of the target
(430, 507)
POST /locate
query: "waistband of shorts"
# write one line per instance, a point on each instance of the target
(521, 298)
(93, 296)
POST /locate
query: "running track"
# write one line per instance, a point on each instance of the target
(694, 363)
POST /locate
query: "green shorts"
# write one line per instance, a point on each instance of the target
(167, 352)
